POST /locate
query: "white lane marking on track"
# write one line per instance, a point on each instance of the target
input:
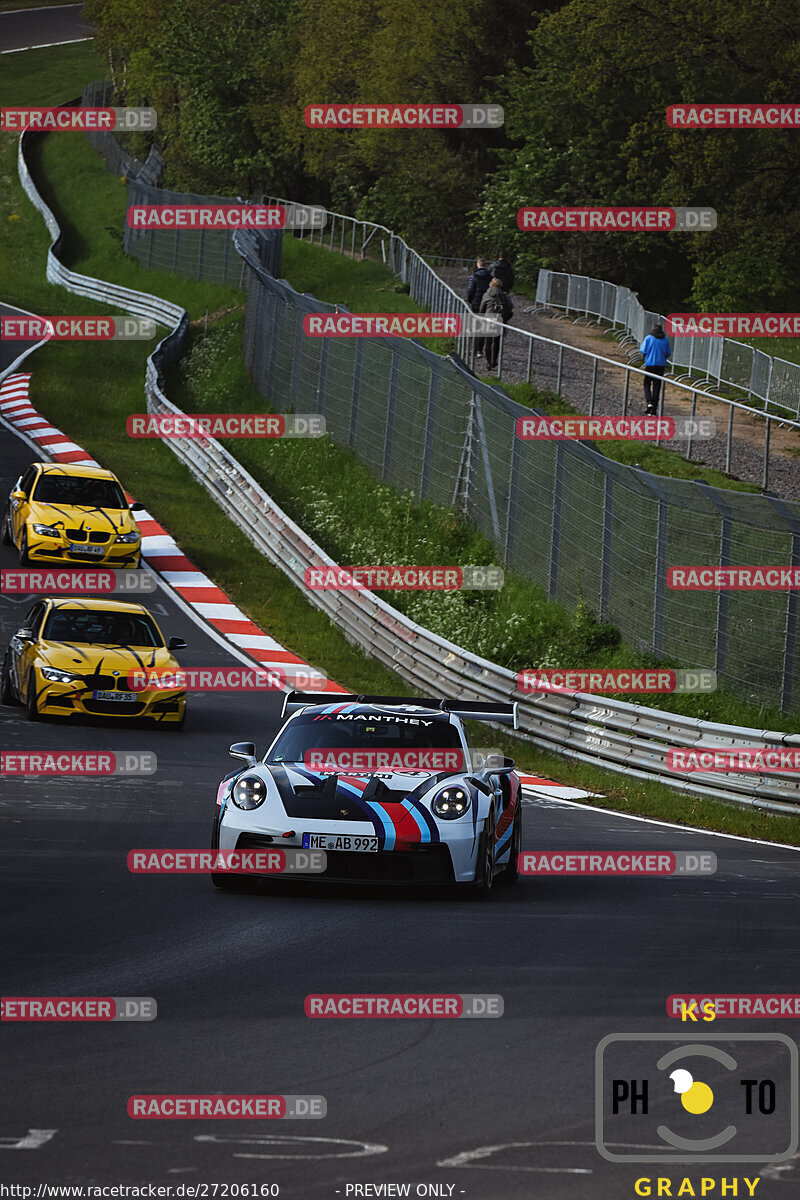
(364, 1149)
(47, 45)
(469, 1158)
(32, 1140)
(736, 837)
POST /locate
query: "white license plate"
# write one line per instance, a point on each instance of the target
(120, 697)
(77, 548)
(340, 841)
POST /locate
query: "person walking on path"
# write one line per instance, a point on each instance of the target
(496, 305)
(503, 271)
(656, 350)
(477, 286)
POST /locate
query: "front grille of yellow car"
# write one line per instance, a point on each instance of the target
(109, 708)
(97, 538)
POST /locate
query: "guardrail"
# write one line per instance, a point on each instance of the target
(620, 736)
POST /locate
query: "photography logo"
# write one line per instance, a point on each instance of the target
(681, 1099)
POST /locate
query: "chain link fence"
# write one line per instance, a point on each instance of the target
(721, 361)
(558, 513)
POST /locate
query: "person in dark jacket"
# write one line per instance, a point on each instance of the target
(656, 350)
(503, 271)
(496, 305)
(477, 285)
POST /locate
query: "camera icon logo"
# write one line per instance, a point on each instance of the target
(677, 1099)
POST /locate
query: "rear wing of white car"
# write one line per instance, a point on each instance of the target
(468, 710)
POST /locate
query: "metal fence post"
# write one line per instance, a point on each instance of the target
(430, 418)
(765, 476)
(487, 467)
(511, 506)
(790, 627)
(723, 605)
(555, 536)
(605, 562)
(390, 407)
(464, 474)
(594, 389)
(560, 367)
(351, 437)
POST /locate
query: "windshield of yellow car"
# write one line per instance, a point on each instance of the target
(98, 626)
(80, 490)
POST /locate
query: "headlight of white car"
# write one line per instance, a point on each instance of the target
(451, 802)
(249, 791)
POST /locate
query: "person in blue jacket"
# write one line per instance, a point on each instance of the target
(656, 350)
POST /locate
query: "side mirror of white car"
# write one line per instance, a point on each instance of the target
(245, 750)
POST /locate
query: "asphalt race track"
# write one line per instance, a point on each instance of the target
(574, 960)
(27, 28)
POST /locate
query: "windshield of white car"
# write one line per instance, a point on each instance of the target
(99, 626)
(362, 731)
(80, 490)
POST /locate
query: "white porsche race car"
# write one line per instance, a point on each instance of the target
(389, 788)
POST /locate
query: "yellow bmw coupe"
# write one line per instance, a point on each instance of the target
(75, 657)
(71, 514)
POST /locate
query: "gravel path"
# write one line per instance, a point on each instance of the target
(747, 457)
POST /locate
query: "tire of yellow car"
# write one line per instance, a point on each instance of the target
(7, 693)
(23, 549)
(31, 705)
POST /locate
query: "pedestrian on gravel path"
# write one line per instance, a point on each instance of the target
(477, 286)
(656, 350)
(496, 305)
(503, 271)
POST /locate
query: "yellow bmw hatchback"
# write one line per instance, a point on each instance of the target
(59, 513)
(75, 657)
